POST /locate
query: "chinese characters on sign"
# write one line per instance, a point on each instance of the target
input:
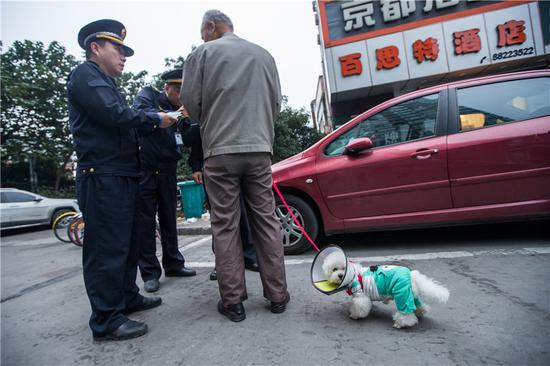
(510, 33)
(427, 50)
(439, 4)
(466, 41)
(396, 9)
(357, 14)
(351, 65)
(387, 58)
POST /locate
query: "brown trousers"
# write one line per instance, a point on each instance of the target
(224, 176)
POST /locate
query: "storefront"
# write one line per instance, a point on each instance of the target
(375, 50)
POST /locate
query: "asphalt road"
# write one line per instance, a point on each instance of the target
(498, 313)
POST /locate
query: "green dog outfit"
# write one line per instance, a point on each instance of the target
(386, 282)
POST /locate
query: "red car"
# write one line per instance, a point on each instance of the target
(466, 152)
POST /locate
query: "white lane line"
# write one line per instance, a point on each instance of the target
(196, 243)
(31, 242)
(543, 250)
(416, 256)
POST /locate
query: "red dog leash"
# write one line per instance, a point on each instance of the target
(294, 217)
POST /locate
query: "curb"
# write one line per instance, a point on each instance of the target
(197, 230)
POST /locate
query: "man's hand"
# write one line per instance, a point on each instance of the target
(167, 121)
(183, 111)
(197, 177)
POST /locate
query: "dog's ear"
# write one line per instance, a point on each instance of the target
(325, 268)
(328, 264)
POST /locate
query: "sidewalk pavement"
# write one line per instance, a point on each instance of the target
(194, 226)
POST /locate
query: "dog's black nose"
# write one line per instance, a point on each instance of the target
(341, 276)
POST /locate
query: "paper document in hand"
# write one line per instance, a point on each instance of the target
(174, 114)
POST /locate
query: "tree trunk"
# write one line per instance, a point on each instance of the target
(58, 174)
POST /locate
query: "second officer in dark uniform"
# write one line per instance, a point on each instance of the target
(159, 153)
(107, 180)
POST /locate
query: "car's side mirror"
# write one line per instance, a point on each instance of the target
(357, 145)
(38, 199)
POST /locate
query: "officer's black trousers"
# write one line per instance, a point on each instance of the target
(111, 247)
(158, 194)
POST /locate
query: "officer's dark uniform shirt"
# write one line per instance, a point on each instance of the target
(159, 150)
(102, 124)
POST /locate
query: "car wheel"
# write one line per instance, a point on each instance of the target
(294, 241)
(58, 213)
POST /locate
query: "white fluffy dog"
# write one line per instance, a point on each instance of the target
(411, 290)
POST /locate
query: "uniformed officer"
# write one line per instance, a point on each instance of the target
(159, 155)
(107, 180)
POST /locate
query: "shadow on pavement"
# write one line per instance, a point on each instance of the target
(445, 237)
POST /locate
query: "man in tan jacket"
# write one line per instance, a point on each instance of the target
(233, 91)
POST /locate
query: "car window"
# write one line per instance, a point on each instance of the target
(3, 198)
(18, 197)
(336, 147)
(410, 120)
(498, 103)
(407, 121)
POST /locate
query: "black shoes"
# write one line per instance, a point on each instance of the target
(213, 275)
(179, 272)
(235, 312)
(278, 307)
(151, 285)
(252, 267)
(146, 303)
(128, 330)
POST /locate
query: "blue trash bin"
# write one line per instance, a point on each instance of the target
(192, 198)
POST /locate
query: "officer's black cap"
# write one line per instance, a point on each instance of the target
(173, 76)
(108, 29)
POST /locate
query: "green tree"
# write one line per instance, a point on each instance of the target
(169, 64)
(131, 84)
(34, 108)
(292, 133)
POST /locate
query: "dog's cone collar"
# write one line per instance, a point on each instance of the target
(318, 277)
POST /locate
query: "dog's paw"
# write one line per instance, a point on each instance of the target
(404, 320)
(360, 307)
(421, 311)
(357, 313)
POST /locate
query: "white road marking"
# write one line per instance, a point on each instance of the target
(544, 250)
(9, 242)
(196, 243)
(416, 256)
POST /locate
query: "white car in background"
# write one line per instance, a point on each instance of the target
(21, 208)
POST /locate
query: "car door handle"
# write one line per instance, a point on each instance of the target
(424, 153)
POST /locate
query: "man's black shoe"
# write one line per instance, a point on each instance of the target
(180, 272)
(128, 330)
(234, 312)
(278, 307)
(252, 266)
(146, 303)
(151, 285)
(213, 275)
